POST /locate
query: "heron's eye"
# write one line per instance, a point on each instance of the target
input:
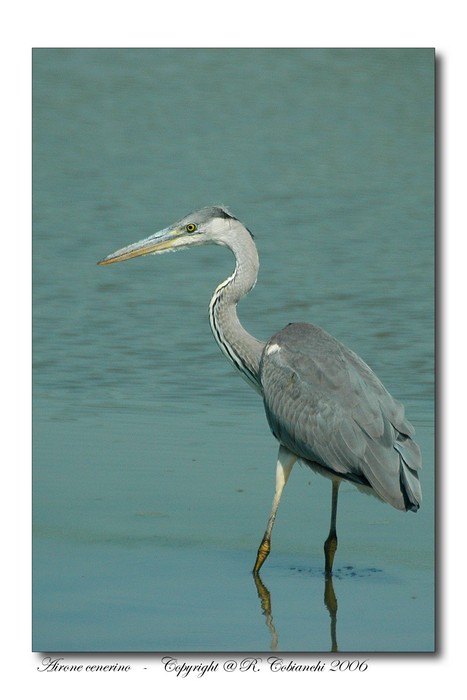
(191, 227)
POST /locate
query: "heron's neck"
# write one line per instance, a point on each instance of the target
(241, 348)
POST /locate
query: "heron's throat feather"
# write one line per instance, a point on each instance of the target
(242, 349)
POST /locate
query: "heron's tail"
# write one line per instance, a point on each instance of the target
(410, 465)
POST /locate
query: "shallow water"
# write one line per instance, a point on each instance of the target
(153, 462)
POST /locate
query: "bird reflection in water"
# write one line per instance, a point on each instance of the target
(324, 405)
(330, 601)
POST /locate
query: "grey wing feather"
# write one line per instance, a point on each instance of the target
(328, 407)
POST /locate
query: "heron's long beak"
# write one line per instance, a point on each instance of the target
(159, 242)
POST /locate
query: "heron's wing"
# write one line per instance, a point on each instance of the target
(327, 406)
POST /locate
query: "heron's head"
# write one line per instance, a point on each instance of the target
(208, 225)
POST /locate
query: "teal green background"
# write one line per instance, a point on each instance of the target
(153, 463)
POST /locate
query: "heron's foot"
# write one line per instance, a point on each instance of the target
(330, 547)
(263, 553)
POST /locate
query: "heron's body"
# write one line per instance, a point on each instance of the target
(315, 386)
(324, 405)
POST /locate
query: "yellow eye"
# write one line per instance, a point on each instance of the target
(190, 228)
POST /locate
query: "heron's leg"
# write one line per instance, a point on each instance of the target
(285, 462)
(330, 545)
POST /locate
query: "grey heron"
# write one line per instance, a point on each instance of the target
(324, 405)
